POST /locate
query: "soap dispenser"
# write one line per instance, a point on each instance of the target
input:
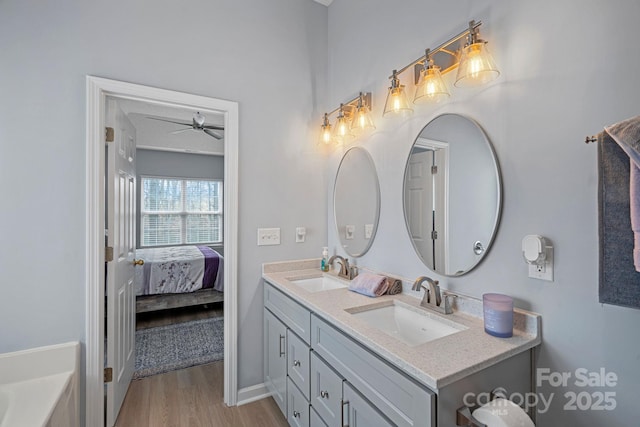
(324, 264)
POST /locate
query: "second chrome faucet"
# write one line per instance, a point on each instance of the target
(346, 271)
(432, 298)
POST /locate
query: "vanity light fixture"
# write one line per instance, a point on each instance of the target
(397, 97)
(430, 87)
(475, 66)
(325, 130)
(362, 121)
(342, 128)
(354, 118)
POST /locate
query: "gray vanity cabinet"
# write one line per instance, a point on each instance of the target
(298, 362)
(326, 391)
(315, 420)
(400, 398)
(275, 360)
(297, 406)
(359, 412)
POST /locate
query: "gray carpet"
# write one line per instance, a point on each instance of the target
(182, 345)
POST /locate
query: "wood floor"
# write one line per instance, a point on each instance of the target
(191, 397)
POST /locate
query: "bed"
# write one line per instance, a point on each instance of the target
(178, 276)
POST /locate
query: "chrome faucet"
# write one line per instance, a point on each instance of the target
(345, 270)
(432, 298)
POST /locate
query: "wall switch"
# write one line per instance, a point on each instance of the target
(368, 231)
(349, 232)
(301, 233)
(268, 236)
(544, 270)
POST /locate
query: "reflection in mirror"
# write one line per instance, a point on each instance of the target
(452, 194)
(356, 201)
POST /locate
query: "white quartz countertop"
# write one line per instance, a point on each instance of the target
(437, 363)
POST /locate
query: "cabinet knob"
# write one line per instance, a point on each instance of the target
(296, 363)
(324, 394)
(296, 414)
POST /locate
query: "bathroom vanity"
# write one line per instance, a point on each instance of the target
(334, 357)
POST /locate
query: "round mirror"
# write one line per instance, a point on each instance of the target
(452, 194)
(356, 201)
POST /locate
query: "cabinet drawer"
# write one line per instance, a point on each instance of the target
(401, 399)
(298, 363)
(326, 392)
(297, 406)
(296, 317)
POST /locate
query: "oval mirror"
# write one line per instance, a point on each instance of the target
(356, 201)
(452, 194)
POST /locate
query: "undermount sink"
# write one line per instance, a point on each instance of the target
(318, 284)
(411, 325)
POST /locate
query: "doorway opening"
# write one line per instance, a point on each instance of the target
(98, 92)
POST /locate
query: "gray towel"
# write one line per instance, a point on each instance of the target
(394, 286)
(619, 282)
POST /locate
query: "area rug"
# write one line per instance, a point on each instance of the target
(181, 345)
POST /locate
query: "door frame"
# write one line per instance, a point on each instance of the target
(97, 90)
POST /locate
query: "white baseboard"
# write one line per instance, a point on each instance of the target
(251, 394)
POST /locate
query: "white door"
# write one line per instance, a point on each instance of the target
(419, 195)
(120, 292)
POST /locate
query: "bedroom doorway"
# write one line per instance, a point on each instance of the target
(98, 92)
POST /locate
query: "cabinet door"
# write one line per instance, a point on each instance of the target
(297, 406)
(360, 412)
(298, 362)
(275, 359)
(326, 392)
(315, 420)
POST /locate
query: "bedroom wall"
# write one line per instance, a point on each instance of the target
(268, 56)
(176, 165)
(567, 69)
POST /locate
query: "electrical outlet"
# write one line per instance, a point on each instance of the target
(543, 271)
(268, 236)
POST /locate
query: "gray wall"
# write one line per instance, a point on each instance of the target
(567, 69)
(176, 165)
(268, 56)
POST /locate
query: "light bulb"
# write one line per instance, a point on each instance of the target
(476, 66)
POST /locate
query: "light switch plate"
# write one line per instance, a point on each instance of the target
(268, 236)
(368, 231)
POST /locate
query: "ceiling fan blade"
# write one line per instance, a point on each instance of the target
(212, 133)
(216, 127)
(180, 131)
(170, 121)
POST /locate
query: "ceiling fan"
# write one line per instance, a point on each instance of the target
(197, 124)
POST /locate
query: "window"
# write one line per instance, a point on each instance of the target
(180, 211)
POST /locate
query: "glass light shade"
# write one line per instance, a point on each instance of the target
(476, 66)
(325, 134)
(431, 87)
(342, 129)
(362, 121)
(397, 102)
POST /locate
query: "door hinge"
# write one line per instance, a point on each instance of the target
(109, 134)
(108, 375)
(108, 253)
(434, 170)
(434, 235)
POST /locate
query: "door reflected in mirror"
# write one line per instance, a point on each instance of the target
(356, 201)
(452, 195)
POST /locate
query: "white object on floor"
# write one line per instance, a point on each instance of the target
(502, 413)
